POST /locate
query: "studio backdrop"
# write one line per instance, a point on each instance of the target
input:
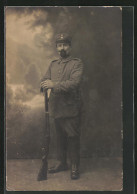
(30, 47)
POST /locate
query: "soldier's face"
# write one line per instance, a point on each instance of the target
(63, 49)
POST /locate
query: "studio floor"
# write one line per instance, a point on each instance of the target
(97, 174)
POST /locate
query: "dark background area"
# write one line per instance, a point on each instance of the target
(97, 40)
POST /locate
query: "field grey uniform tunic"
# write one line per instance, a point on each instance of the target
(65, 97)
(65, 104)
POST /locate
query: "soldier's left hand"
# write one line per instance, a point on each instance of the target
(47, 84)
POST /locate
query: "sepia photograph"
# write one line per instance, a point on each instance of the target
(64, 122)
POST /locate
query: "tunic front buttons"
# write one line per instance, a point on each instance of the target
(64, 75)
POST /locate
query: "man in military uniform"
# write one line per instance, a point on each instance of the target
(64, 79)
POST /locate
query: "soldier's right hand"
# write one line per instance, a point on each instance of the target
(42, 85)
(47, 84)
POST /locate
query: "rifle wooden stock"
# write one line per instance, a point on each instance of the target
(42, 175)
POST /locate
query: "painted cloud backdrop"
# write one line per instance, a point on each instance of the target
(30, 47)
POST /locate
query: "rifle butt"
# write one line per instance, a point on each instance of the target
(42, 175)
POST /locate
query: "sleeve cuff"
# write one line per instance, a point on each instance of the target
(56, 86)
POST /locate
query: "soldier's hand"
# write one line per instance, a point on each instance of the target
(47, 84)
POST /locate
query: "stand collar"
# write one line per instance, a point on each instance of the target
(65, 60)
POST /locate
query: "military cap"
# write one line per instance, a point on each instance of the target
(63, 37)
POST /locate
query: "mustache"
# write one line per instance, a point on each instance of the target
(63, 53)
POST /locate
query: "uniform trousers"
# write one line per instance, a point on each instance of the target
(68, 139)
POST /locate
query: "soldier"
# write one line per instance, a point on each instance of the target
(64, 79)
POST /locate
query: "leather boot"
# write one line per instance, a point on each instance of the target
(74, 172)
(74, 151)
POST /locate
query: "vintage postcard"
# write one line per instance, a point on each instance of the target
(64, 98)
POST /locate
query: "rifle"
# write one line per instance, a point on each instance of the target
(42, 175)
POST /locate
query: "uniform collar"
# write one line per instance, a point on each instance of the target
(65, 60)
